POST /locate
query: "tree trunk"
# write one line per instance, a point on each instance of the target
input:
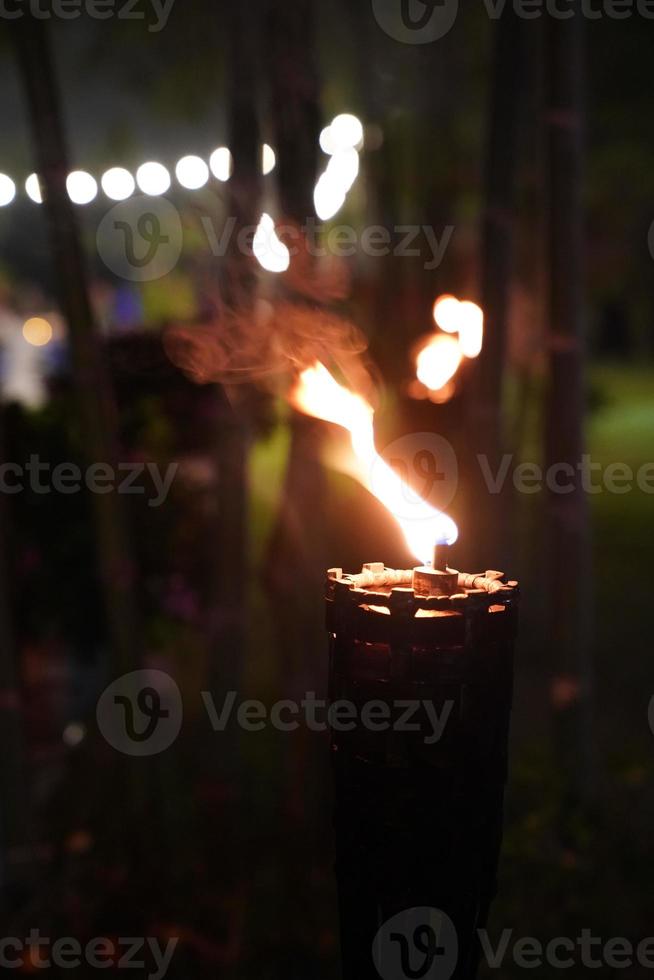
(297, 544)
(488, 530)
(568, 577)
(238, 293)
(14, 775)
(95, 402)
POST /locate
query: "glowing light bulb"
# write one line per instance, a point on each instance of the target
(346, 131)
(192, 172)
(153, 178)
(328, 197)
(270, 252)
(438, 361)
(221, 163)
(471, 329)
(81, 186)
(327, 142)
(7, 190)
(117, 183)
(446, 313)
(37, 331)
(268, 159)
(33, 189)
(343, 168)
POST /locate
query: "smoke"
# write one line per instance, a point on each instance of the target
(282, 323)
(271, 339)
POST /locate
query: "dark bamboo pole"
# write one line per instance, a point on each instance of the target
(567, 514)
(297, 544)
(14, 810)
(485, 414)
(238, 287)
(95, 403)
(294, 103)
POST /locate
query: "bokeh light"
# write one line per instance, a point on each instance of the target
(268, 159)
(343, 168)
(81, 186)
(328, 197)
(37, 331)
(192, 172)
(446, 313)
(7, 190)
(117, 183)
(33, 189)
(221, 163)
(438, 361)
(346, 131)
(270, 252)
(153, 178)
(471, 328)
(74, 734)
(327, 141)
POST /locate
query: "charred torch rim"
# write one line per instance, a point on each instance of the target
(377, 585)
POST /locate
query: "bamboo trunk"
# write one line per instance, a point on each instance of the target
(13, 769)
(297, 543)
(92, 384)
(567, 515)
(486, 417)
(238, 287)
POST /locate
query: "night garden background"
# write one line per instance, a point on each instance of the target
(508, 162)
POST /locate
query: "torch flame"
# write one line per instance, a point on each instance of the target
(438, 361)
(318, 394)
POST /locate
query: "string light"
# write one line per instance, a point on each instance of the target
(192, 172)
(81, 186)
(7, 190)
(340, 140)
(33, 189)
(270, 252)
(268, 159)
(346, 131)
(118, 183)
(153, 178)
(221, 163)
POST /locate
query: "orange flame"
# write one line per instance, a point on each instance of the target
(318, 394)
(438, 361)
(439, 357)
(446, 313)
(471, 328)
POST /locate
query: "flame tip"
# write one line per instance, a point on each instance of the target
(318, 393)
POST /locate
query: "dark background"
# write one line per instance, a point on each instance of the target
(533, 139)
